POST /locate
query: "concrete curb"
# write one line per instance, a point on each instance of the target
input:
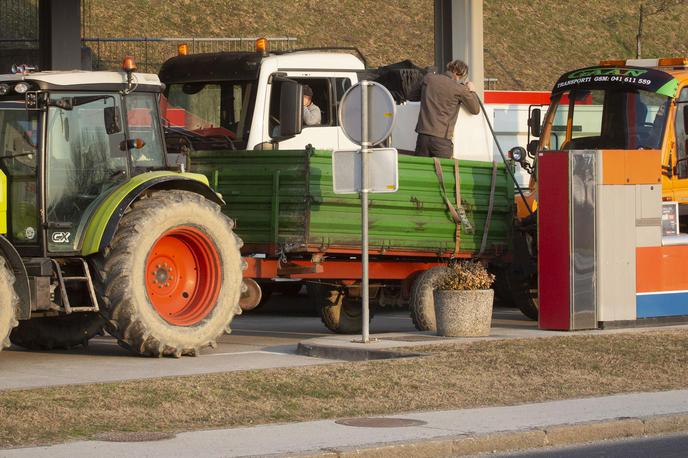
(350, 353)
(553, 436)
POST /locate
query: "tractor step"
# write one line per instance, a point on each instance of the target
(85, 278)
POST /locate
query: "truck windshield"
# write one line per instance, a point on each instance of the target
(212, 110)
(605, 119)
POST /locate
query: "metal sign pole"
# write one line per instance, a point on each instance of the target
(365, 149)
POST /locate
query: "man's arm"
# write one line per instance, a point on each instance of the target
(312, 115)
(469, 98)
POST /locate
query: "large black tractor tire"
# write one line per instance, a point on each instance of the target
(9, 302)
(339, 313)
(525, 296)
(170, 279)
(422, 302)
(501, 288)
(59, 332)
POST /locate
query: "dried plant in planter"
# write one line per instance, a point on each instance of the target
(467, 276)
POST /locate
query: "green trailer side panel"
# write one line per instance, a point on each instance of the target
(266, 192)
(285, 198)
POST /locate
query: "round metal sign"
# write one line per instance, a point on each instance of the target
(381, 112)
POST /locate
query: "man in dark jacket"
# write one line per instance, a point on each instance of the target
(441, 96)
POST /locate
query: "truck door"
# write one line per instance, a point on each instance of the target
(680, 179)
(322, 135)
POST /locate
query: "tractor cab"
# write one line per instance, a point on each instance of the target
(67, 139)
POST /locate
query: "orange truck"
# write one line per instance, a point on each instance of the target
(622, 105)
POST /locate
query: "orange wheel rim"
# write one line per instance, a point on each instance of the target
(183, 276)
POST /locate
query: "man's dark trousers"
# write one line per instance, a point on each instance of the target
(429, 145)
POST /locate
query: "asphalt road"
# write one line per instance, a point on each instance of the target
(670, 446)
(262, 339)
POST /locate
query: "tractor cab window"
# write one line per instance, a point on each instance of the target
(86, 157)
(19, 137)
(605, 119)
(144, 123)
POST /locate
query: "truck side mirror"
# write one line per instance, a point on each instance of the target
(291, 108)
(112, 120)
(534, 122)
(685, 118)
(532, 147)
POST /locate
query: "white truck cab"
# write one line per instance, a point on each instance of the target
(238, 96)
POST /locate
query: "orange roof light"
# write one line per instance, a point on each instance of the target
(182, 49)
(262, 45)
(613, 63)
(128, 64)
(673, 62)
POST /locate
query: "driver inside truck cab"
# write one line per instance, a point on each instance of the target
(312, 115)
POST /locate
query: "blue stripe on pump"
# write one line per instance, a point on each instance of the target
(661, 304)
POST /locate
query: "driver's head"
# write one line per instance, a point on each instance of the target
(307, 95)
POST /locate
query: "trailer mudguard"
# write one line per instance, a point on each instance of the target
(105, 220)
(21, 282)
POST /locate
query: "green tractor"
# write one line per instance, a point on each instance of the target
(97, 230)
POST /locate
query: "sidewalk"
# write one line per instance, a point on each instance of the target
(442, 433)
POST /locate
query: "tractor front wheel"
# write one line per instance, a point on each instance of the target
(9, 302)
(170, 279)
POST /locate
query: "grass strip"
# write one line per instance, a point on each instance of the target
(486, 373)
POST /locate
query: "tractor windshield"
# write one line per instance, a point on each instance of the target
(19, 138)
(212, 112)
(615, 118)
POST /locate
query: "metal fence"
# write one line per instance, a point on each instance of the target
(19, 19)
(150, 53)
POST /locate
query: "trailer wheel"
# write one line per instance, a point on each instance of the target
(170, 279)
(422, 302)
(59, 332)
(338, 312)
(9, 302)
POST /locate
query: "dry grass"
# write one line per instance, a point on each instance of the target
(455, 376)
(527, 44)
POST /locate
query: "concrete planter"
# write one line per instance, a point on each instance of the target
(463, 313)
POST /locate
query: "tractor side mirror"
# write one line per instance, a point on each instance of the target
(685, 118)
(534, 122)
(112, 120)
(291, 108)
